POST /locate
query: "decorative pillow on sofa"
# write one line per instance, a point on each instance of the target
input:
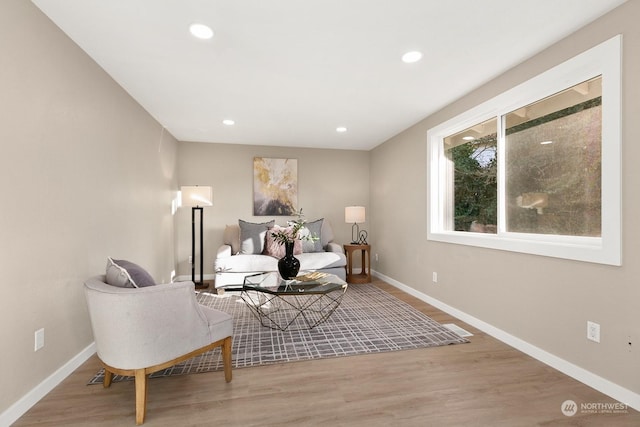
(126, 274)
(252, 236)
(231, 237)
(313, 228)
(276, 249)
(326, 236)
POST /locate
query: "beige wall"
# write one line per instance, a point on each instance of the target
(86, 173)
(328, 180)
(544, 301)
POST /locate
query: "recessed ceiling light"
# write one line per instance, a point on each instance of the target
(341, 129)
(201, 31)
(468, 138)
(411, 57)
(546, 142)
(228, 122)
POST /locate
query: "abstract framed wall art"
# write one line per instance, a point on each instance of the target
(275, 186)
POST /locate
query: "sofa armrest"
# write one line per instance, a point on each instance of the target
(334, 247)
(224, 251)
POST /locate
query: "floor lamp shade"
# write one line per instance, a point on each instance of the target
(196, 197)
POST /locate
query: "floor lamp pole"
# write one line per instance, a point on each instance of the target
(193, 247)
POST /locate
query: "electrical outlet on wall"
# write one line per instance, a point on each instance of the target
(39, 339)
(593, 331)
(190, 259)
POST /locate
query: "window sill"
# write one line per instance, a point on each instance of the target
(587, 249)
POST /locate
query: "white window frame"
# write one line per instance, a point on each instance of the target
(604, 60)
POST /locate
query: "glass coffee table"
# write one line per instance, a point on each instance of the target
(302, 303)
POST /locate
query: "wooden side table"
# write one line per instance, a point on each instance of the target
(365, 275)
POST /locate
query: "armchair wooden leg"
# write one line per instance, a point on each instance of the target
(108, 376)
(141, 395)
(226, 358)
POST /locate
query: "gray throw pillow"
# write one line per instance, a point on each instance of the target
(126, 274)
(313, 228)
(252, 236)
(118, 276)
(141, 278)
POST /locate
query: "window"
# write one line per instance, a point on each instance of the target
(473, 155)
(536, 169)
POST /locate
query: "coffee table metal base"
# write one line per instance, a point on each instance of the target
(292, 311)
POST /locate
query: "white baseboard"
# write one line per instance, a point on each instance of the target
(19, 408)
(603, 385)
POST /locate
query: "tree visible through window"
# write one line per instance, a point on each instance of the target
(552, 154)
(475, 185)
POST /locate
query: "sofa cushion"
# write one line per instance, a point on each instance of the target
(313, 228)
(321, 260)
(252, 236)
(126, 274)
(256, 263)
(246, 263)
(276, 249)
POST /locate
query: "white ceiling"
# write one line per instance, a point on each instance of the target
(290, 71)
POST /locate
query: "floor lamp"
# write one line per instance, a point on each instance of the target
(196, 197)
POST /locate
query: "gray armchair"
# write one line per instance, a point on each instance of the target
(139, 331)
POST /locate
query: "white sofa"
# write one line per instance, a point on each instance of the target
(233, 263)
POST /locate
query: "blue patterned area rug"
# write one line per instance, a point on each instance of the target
(369, 320)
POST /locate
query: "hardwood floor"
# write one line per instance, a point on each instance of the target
(484, 383)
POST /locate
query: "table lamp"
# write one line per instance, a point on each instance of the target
(355, 215)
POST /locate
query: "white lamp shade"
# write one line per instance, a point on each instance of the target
(197, 195)
(354, 214)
